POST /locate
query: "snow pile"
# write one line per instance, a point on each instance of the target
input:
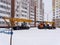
(32, 36)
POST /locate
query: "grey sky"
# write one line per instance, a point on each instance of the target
(48, 9)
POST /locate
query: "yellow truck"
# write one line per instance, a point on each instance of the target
(13, 20)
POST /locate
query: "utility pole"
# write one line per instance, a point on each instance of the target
(12, 16)
(35, 14)
(12, 11)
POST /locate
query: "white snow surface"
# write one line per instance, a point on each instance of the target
(33, 36)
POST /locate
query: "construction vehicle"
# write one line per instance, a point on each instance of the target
(13, 20)
(46, 25)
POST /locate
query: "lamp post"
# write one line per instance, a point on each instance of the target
(35, 14)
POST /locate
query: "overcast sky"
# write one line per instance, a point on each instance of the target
(48, 9)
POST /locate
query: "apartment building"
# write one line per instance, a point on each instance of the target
(5, 10)
(42, 12)
(39, 11)
(56, 12)
(36, 11)
(31, 12)
(24, 9)
(21, 10)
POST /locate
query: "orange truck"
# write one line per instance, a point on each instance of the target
(46, 25)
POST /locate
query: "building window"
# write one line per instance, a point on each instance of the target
(25, 16)
(56, 16)
(5, 7)
(31, 18)
(32, 14)
(17, 10)
(17, 15)
(24, 3)
(53, 15)
(17, 6)
(57, 11)
(22, 15)
(24, 7)
(56, 6)
(6, 2)
(4, 12)
(24, 11)
(32, 11)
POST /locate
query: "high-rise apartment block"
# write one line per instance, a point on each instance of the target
(5, 10)
(56, 12)
(25, 9)
(39, 11)
(32, 12)
(22, 9)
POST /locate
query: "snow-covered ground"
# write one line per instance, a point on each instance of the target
(32, 36)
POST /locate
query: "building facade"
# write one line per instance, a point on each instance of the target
(5, 10)
(25, 9)
(31, 12)
(42, 11)
(39, 11)
(56, 12)
(22, 9)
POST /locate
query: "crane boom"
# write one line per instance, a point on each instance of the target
(11, 20)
